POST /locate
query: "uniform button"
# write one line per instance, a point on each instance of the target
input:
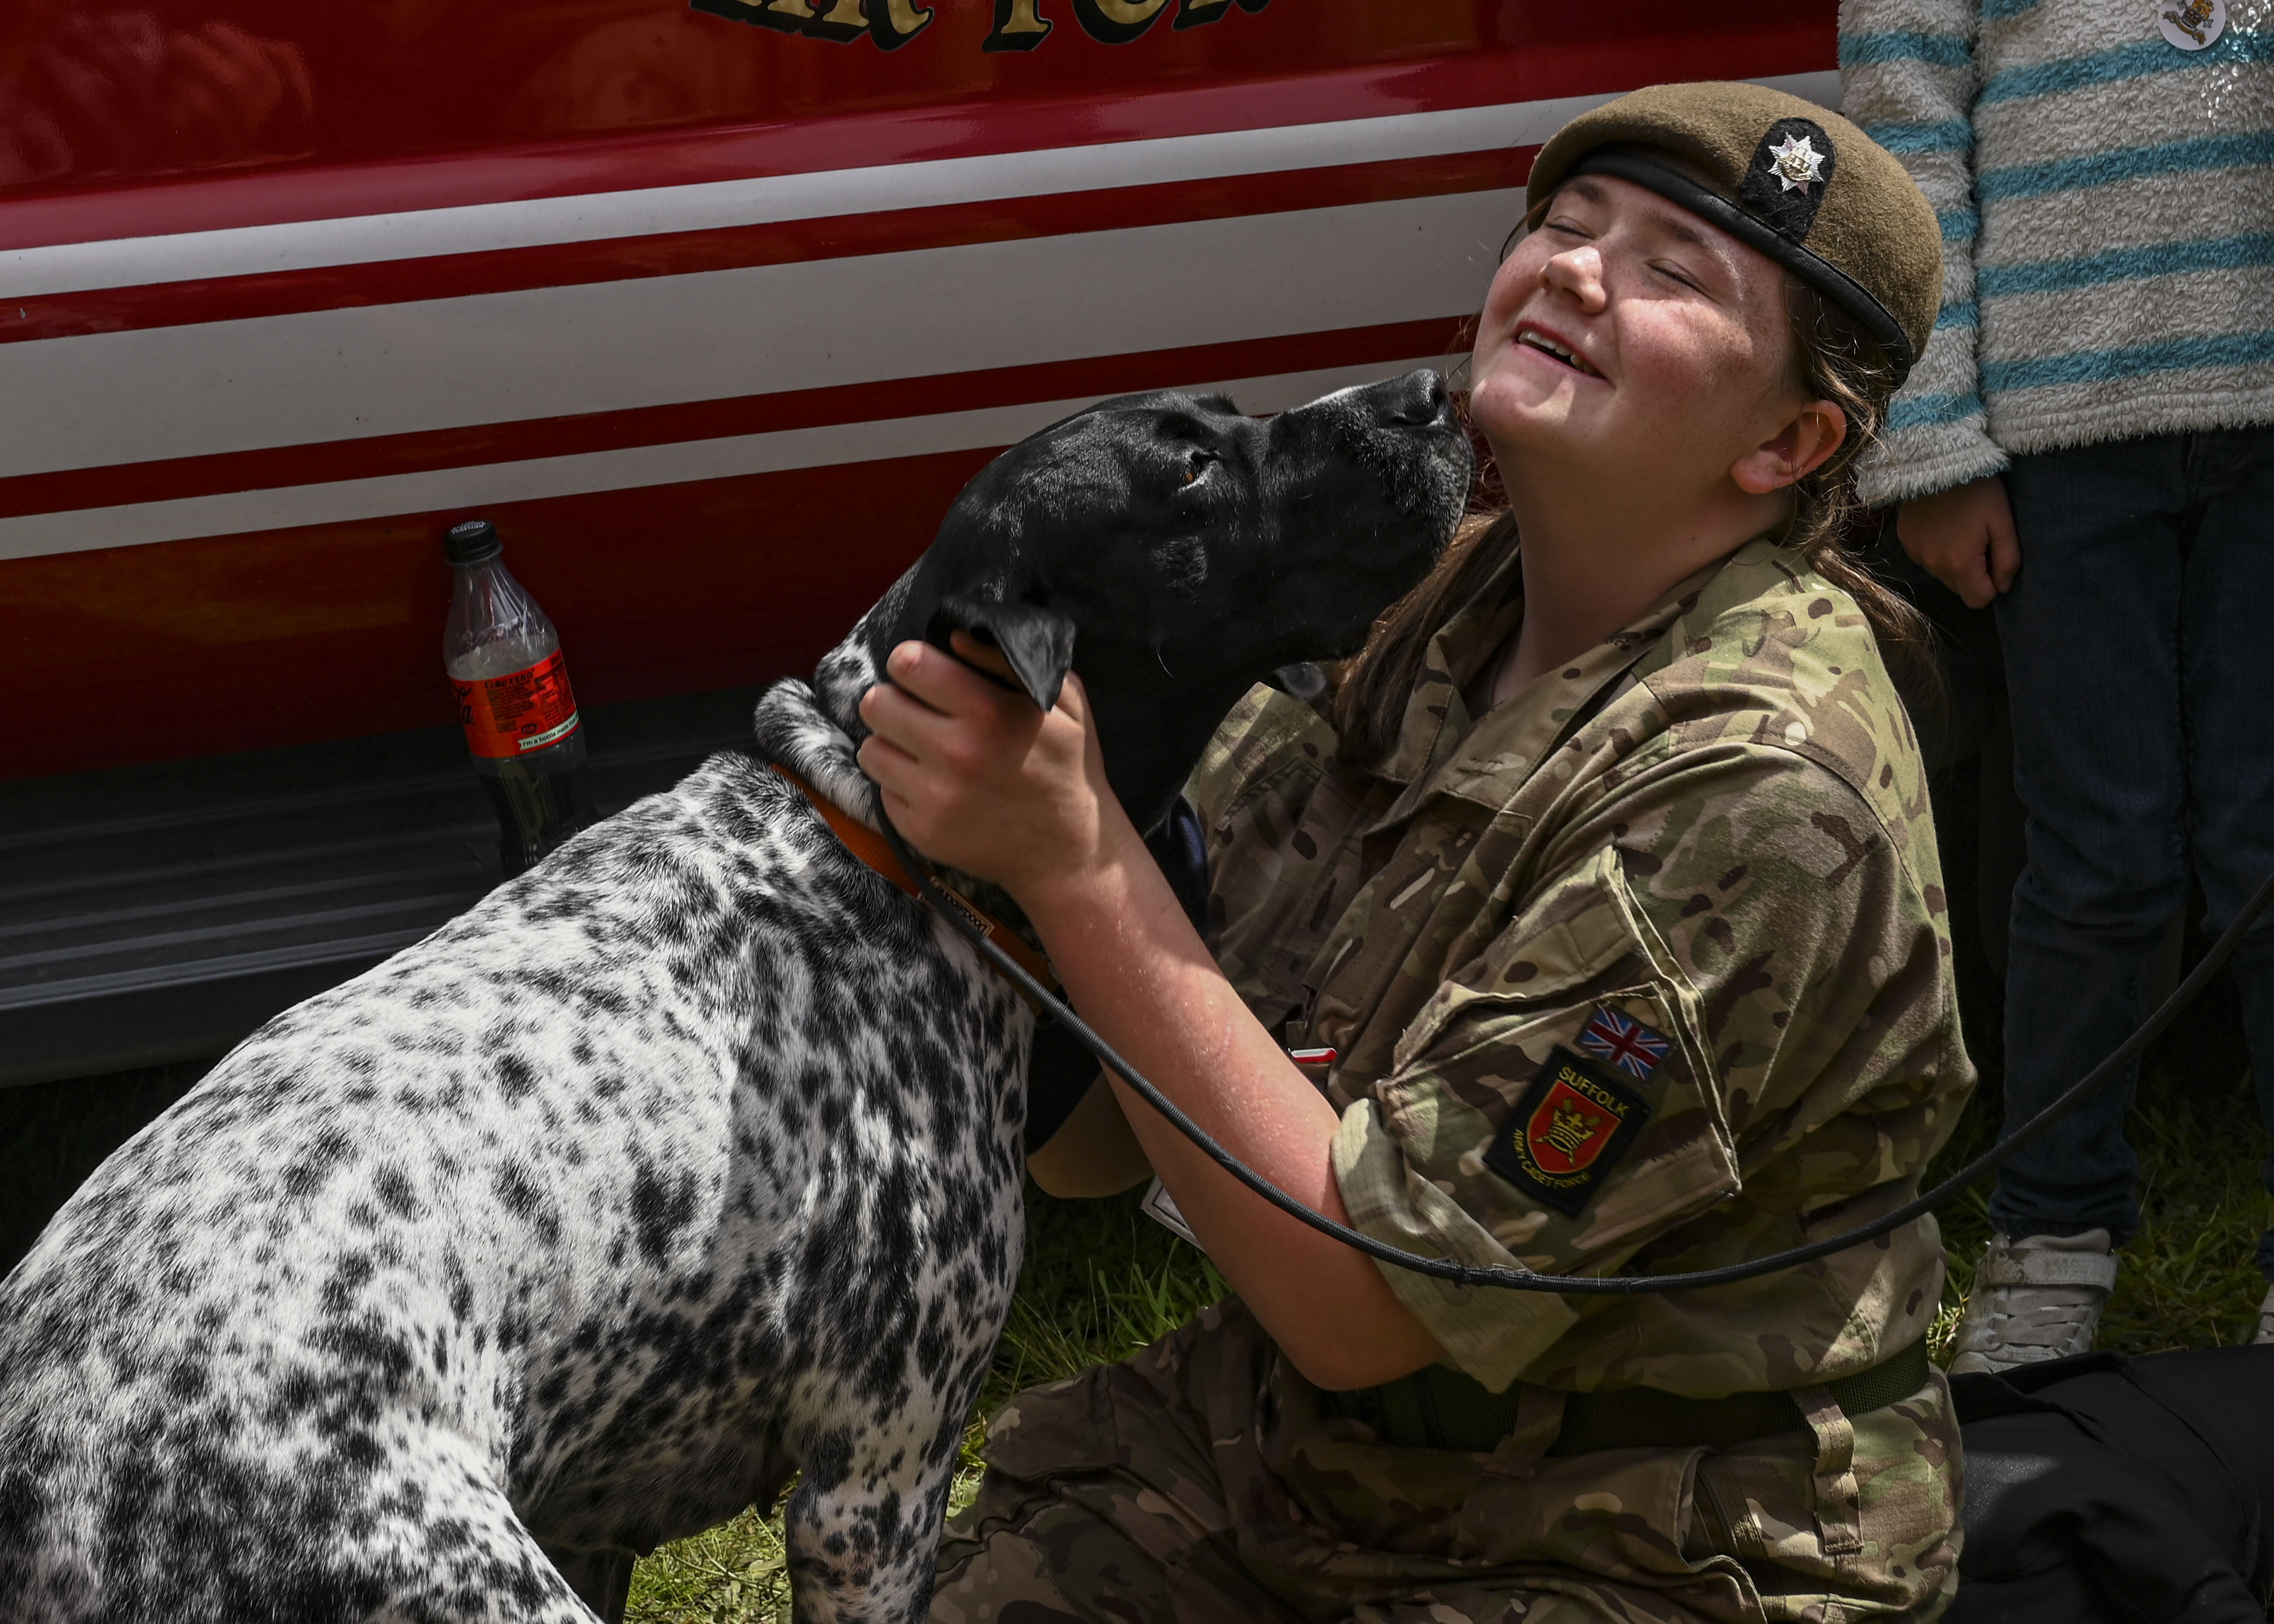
(1796, 734)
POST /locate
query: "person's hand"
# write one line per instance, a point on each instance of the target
(976, 778)
(1964, 538)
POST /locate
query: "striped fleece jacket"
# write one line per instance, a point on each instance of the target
(2107, 208)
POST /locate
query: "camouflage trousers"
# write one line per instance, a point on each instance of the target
(1199, 1482)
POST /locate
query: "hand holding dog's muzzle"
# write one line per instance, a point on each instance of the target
(979, 780)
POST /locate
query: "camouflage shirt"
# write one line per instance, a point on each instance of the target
(1707, 839)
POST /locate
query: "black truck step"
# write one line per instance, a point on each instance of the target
(155, 914)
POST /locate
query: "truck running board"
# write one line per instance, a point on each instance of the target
(156, 913)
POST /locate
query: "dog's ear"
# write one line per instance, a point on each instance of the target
(1038, 641)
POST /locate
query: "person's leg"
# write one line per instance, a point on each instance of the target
(1100, 1547)
(2091, 632)
(1115, 1498)
(2228, 660)
(1147, 1493)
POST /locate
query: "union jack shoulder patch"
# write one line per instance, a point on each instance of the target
(1624, 1041)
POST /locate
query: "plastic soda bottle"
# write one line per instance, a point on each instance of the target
(503, 656)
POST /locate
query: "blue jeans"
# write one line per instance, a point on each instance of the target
(2140, 660)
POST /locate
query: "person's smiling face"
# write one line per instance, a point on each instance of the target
(1625, 333)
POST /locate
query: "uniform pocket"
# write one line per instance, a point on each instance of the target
(1883, 1540)
(1065, 1427)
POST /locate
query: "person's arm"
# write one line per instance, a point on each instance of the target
(975, 778)
(1908, 74)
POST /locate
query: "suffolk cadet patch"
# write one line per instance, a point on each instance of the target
(1567, 1132)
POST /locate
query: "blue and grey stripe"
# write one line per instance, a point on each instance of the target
(2089, 366)
(1926, 410)
(2124, 191)
(1940, 50)
(1943, 135)
(2206, 151)
(2141, 59)
(2221, 254)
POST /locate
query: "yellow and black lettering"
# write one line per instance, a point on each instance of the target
(843, 22)
(1117, 22)
(788, 16)
(897, 22)
(1018, 25)
(1594, 1091)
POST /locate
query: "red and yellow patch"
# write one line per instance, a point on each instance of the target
(1570, 1128)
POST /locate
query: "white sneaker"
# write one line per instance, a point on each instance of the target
(2038, 1299)
(2265, 1321)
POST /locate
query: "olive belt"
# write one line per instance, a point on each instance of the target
(1439, 1407)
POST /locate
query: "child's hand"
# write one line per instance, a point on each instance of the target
(1964, 538)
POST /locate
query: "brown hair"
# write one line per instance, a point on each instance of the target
(1836, 361)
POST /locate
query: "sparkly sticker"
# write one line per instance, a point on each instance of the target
(2192, 25)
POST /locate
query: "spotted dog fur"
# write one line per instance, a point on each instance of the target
(686, 1160)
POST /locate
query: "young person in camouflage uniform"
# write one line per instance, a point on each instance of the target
(1607, 872)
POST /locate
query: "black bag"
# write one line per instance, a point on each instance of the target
(2102, 1490)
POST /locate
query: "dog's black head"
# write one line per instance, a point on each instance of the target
(1174, 552)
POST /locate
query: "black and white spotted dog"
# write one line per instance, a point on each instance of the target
(685, 1160)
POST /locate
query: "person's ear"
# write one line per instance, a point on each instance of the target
(1794, 452)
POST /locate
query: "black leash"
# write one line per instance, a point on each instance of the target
(1588, 1285)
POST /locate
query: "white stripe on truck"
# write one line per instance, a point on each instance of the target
(109, 398)
(343, 502)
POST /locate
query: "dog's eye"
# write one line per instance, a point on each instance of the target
(1198, 463)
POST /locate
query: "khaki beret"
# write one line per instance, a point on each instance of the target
(1792, 179)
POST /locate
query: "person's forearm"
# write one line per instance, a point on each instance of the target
(1133, 967)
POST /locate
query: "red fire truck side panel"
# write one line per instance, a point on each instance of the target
(711, 320)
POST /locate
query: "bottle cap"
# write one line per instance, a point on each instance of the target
(471, 542)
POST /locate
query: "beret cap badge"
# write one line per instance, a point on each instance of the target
(1791, 170)
(1798, 164)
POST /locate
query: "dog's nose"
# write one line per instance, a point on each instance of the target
(1413, 402)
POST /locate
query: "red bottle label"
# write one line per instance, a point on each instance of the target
(520, 711)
